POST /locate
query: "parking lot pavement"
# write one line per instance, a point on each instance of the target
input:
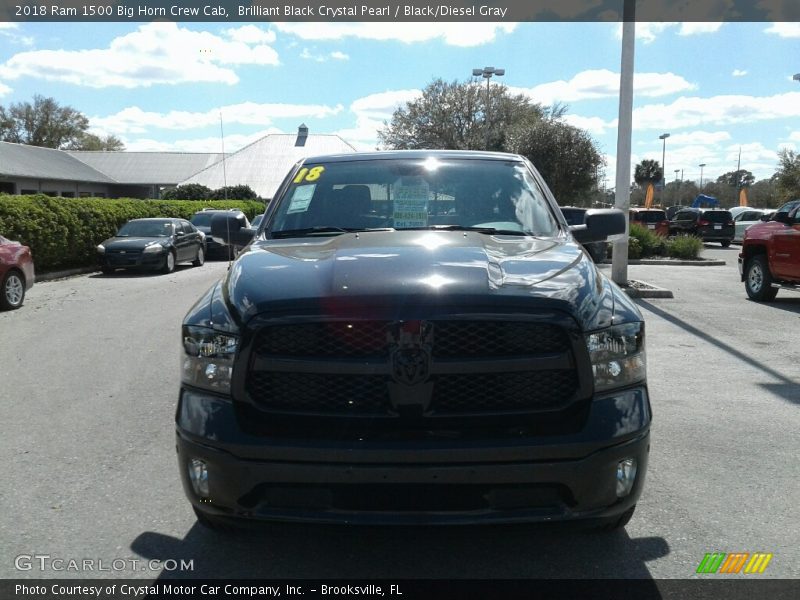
(89, 374)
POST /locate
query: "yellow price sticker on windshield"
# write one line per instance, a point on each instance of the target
(306, 174)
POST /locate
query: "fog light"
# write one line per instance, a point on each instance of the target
(626, 475)
(198, 475)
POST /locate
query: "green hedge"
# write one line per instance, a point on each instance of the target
(63, 232)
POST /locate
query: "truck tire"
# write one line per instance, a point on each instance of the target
(758, 279)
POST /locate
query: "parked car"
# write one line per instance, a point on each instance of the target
(770, 256)
(673, 210)
(577, 216)
(157, 244)
(16, 273)
(709, 224)
(418, 337)
(744, 219)
(215, 248)
(654, 219)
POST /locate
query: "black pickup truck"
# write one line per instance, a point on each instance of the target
(414, 337)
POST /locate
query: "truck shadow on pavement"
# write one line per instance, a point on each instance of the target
(785, 388)
(280, 551)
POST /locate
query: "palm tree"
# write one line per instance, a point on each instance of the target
(647, 171)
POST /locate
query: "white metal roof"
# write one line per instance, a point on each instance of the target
(152, 168)
(263, 164)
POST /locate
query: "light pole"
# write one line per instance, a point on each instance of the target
(663, 137)
(701, 165)
(677, 185)
(487, 72)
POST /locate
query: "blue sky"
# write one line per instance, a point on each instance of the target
(161, 86)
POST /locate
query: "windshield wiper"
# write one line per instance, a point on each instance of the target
(486, 230)
(286, 233)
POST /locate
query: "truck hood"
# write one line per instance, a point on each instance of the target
(399, 271)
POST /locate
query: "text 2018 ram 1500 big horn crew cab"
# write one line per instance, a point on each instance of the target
(414, 337)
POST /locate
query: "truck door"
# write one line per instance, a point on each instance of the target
(786, 248)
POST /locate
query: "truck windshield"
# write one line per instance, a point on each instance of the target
(489, 196)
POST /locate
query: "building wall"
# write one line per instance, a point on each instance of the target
(67, 189)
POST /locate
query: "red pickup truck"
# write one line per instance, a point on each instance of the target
(770, 257)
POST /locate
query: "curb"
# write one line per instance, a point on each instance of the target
(676, 263)
(63, 274)
(652, 291)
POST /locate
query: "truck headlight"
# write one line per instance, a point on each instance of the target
(207, 361)
(618, 356)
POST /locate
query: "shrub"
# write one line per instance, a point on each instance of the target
(235, 192)
(190, 191)
(685, 247)
(651, 244)
(63, 232)
(634, 248)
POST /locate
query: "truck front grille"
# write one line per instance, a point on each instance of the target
(429, 368)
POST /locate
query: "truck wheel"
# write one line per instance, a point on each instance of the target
(12, 291)
(726, 243)
(758, 279)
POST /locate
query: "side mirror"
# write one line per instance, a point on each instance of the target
(230, 229)
(599, 224)
(782, 217)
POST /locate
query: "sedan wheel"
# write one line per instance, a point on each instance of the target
(169, 263)
(201, 257)
(13, 291)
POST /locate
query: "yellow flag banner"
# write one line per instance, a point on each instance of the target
(743, 197)
(648, 197)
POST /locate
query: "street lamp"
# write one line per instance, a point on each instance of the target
(663, 137)
(701, 165)
(487, 72)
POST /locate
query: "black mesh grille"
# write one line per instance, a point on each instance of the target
(317, 393)
(451, 339)
(529, 390)
(357, 339)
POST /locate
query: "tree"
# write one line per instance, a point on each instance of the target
(90, 141)
(787, 177)
(190, 191)
(566, 157)
(737, 179)
(647, 171)
(453, 116)
(235, 192)
(42, 123)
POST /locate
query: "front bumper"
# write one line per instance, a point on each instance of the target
(133, 261)
(541, 479)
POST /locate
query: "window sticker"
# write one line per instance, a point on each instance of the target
(306, 174)
(301, 198)
(410, 195)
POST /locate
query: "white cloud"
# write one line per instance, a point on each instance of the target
(371, 112)
(454, 34)
(717, 110)
(739, 73)
(794, 136)
(250, 34)
(703, 138)
(699, 28)
(156, 53)
(784, 30)
(134, 120)
(602, 83)
(10, 31)
(4, 89)
(208, 144)
(307, 54)
(594, 125)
